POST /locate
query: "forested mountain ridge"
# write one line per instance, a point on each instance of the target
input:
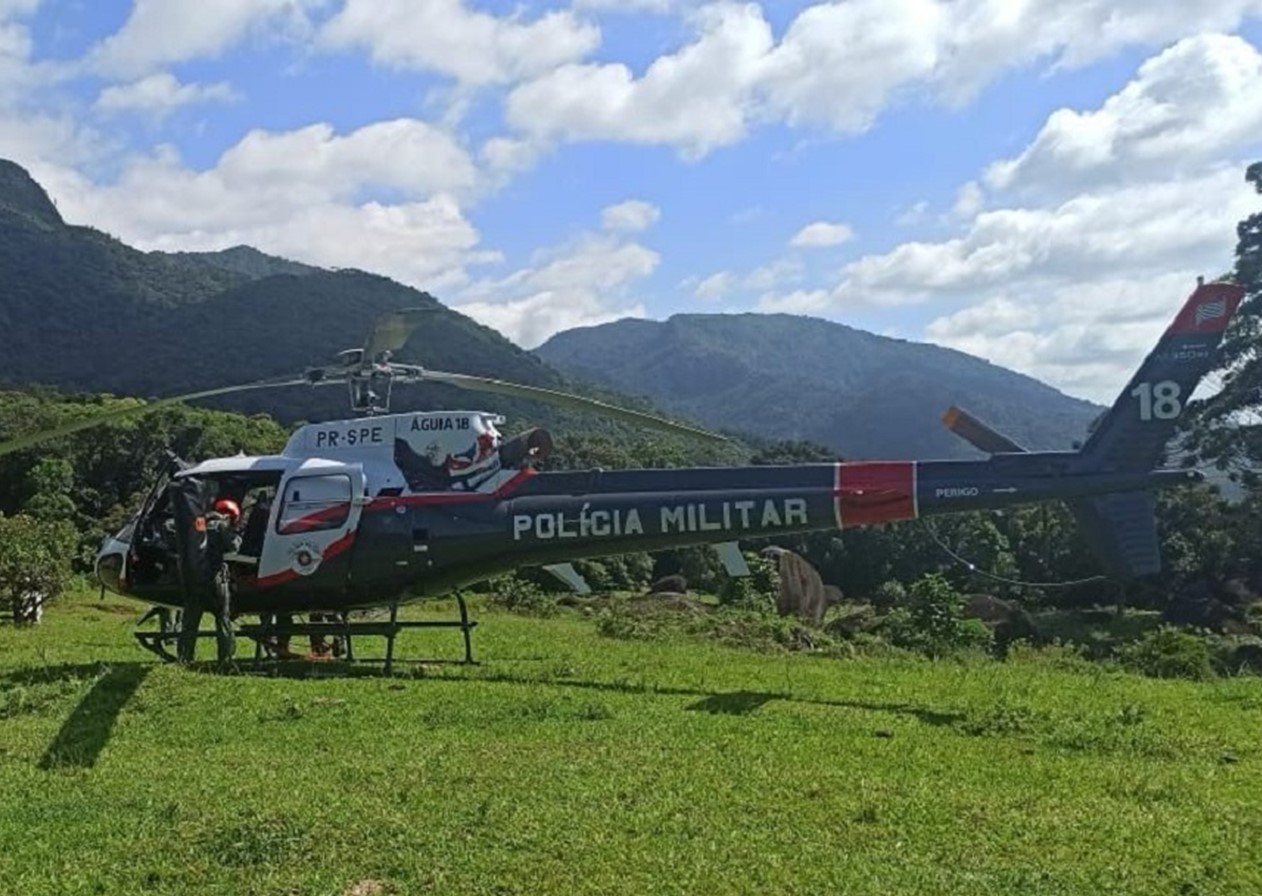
(792, 377)
(80, 310)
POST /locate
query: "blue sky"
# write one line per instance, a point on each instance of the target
(1037, 184)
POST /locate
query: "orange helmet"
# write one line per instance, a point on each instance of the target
(228, 507)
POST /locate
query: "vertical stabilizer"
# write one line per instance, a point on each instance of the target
(1132, 435)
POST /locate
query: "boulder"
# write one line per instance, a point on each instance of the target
(669, 585)
(1009, 621)
(1246, 657)
(1209, 605)
(802, 592)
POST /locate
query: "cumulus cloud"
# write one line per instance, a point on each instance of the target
(1083, 245)
(1168, 224)
(716, 286)
(159, 95)
(580, 284)
(1086, 338)
(631, 216)
(695, 99)
(1197, 101)
(627, 6)
(446, 36)
(821, 235)
(306, 194)
(162, 32)
(838, 65)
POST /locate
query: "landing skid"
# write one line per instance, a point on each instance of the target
(160, 642)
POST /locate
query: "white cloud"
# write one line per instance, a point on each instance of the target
(799, 301)
(716, 286)
(839, 65)
(309, 194)
(820, 235)
(580, 284)
(627, 6)
(1086, 339)
(631, 216)
(1174, 224)
(159, 95)
(506, 156)
(1196, 101)
(1071, 265)
(969, 200)
(695, 99)
(162, 32)
(447, 36)
(913, 215)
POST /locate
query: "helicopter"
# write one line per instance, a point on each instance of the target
(383, 508)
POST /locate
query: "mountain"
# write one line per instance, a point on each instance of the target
(81, 310)
(784, 376)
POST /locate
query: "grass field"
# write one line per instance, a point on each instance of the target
(572, 763)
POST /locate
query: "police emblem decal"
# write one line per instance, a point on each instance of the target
(305, 557)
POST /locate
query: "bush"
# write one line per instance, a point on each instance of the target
(1169, 652)
(34, 563)
(756, 592)
(519, 595)
(933, 621)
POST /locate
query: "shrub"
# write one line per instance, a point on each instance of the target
(34, 563)
(756, 592)
(933, 621)
(519, 595)
(1169, 652)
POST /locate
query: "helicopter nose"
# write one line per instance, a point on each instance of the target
(110, 562)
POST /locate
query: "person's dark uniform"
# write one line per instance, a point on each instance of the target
(221, 538)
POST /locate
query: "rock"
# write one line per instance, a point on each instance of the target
(802, 591)
(1209, 605)
(1246, 656)
(670, 585)
(1009, 621)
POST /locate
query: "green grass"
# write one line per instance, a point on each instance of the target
(572, 763)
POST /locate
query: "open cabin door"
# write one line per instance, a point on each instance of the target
(314, 524)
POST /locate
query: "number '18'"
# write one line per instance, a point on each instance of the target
(1159, 401)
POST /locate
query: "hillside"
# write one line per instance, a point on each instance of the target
(84, 311)
(784, 376)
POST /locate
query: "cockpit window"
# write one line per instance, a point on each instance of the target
(315, 504)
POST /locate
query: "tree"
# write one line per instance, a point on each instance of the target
(34, 563)
(1224, 429)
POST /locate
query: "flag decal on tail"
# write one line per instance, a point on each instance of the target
(1215, 309)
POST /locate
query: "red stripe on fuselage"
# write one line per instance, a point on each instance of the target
(334, 549)
(868, 492)
(433, 498)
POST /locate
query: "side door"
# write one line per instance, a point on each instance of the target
(315, 521)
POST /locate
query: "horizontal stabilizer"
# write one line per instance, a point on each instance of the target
(1122, 531)
(732, 559)
(568, 575)
(978, 434)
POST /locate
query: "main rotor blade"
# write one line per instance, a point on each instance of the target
(977, 433)
(392, 331)
(566, 400)
(66, 429)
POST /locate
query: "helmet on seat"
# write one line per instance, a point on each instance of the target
(228, 508)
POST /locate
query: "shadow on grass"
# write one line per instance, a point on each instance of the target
(86, 732)
(729, 702)
(737, 703)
